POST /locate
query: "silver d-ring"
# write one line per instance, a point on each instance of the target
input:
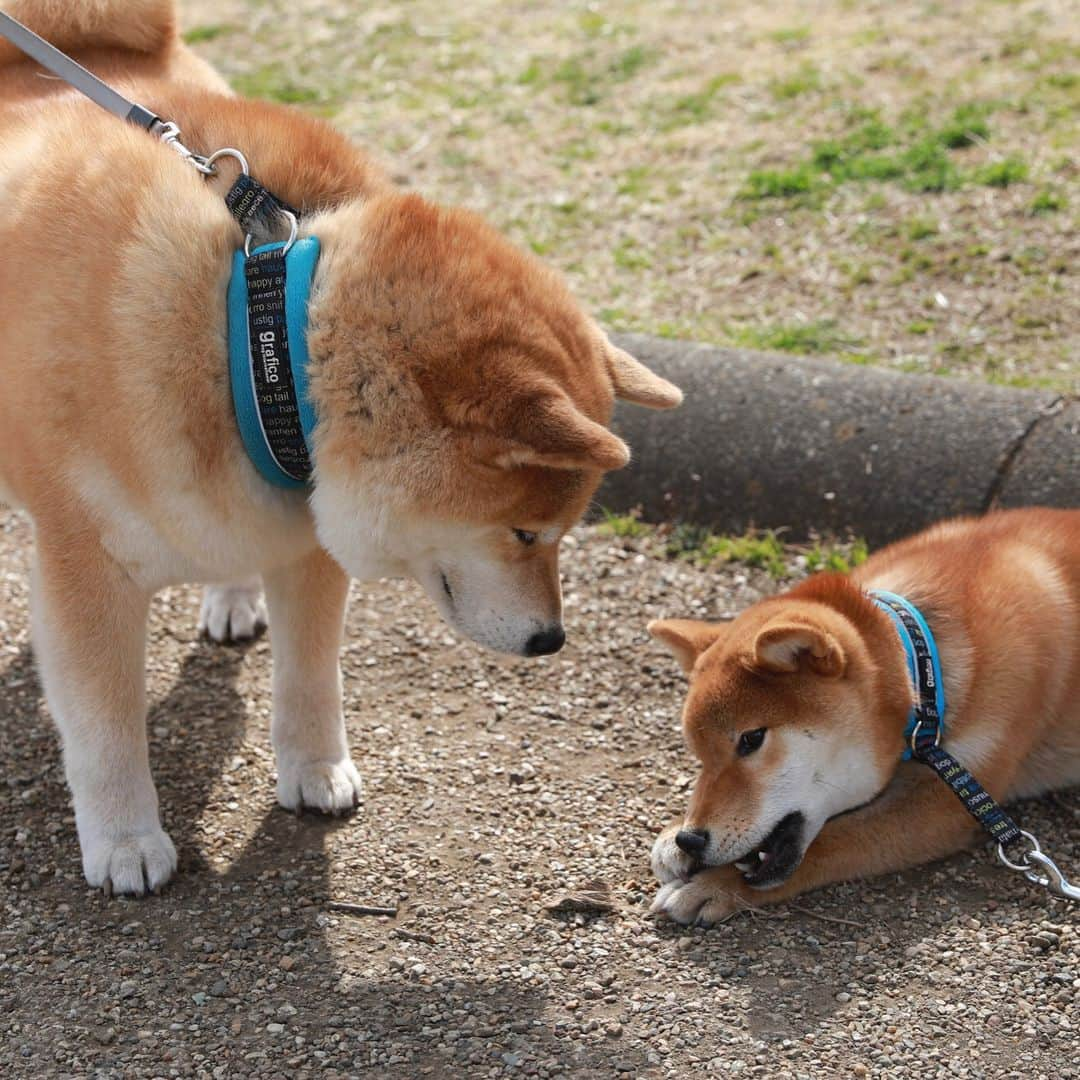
(1025, 866)
(294, 228)
(227, 151)
(915, 734)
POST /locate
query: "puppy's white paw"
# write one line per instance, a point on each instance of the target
(334, 787)
(669, 861)
(707, 898)
(134, 863)
(233, 612)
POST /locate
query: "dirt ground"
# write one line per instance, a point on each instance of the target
(889, 181)
(492, 787)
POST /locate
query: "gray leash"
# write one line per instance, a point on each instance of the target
(74, 74)
(67, 69)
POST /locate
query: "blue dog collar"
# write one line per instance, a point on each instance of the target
(926, 721)
(270, 382)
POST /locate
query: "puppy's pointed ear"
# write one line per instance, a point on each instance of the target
(785, 647)
(552, 433)
(635, 383)
(686, 638)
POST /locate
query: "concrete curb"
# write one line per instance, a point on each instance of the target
(772, 441)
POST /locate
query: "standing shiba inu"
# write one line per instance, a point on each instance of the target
(462, 401)
(797, 711)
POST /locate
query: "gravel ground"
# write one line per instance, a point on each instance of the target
(493, 787)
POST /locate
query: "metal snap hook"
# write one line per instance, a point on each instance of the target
(1040, 869)
(1051, 878)
(169, 134)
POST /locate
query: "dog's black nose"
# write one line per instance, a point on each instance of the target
(546, 641)
(692, 841)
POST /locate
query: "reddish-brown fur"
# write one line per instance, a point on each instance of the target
(1002, 596)
(461, 394)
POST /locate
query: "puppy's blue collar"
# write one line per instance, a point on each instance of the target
(926, 721)
(270, 382)
(925, 729)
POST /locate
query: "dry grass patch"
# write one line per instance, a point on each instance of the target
(731, 172)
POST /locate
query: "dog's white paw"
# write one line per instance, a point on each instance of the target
(669, 861)
(233, 612)
(134, 863)
(334, 787)
(709, 897)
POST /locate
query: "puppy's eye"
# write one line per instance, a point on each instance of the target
(749, 741)
(527, 538)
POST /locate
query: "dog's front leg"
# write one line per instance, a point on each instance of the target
(306, 602)
(918, 820)
(89, 629)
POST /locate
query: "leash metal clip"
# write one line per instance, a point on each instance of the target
(1037, 860)
(169, 134)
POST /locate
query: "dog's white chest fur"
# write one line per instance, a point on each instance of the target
(187, 541)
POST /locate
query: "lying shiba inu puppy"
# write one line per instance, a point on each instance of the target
(462, 401)
(797, 711)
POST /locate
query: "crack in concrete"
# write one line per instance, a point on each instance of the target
(1008, 459)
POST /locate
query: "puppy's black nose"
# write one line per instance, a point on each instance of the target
(546, 641)
(692, 841)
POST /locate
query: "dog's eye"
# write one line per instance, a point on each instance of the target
(749, 741)
(527, 538)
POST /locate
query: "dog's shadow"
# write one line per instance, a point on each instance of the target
(883, 932)
(237, 935)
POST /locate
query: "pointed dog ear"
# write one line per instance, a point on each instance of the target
(635, 383)
(782, 648)
(686, 638)
(553, 433)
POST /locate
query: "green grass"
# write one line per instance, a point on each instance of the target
(624, 526)
(629, 63)
(928, 167)
(1048, 202)
(780, 183)
(199, 34)
(702, 546)
(696, 107)
(819, 336)
(1001, 174)
(918, 155)
(629, 256)
(966, 127)
(588, 78)
(921, 228)
(582, 87)
(791, 35)
(634, 180)
(850, 156)
(842, 558)
(272, 83)
(804, 81)
(920, 326)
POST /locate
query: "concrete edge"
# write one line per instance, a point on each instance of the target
(775, 441)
